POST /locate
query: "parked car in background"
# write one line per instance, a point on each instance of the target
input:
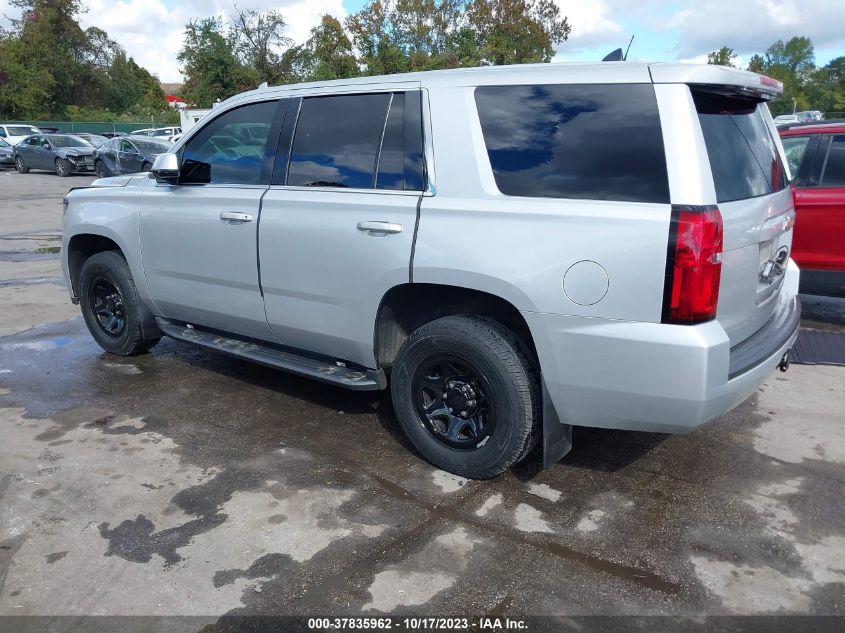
(816, 157)
(784, 119)
(128, 155)
(7, 155)
(94, 139)
(513, 251)
(166, 132)
(63, 153)
(14, 133)
(809, 116)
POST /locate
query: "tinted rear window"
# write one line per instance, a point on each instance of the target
(337, 140)
(743, 156)
(599, 142)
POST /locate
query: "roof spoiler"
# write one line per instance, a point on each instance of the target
(720, 79)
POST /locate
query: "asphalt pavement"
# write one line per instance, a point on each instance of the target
(183, 482)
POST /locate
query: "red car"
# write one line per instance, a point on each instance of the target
(816, 157)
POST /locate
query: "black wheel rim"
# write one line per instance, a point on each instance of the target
(107, 306)
(453, 401)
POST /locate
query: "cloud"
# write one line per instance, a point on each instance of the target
(152, 31)
(591, 25)
(753, 25)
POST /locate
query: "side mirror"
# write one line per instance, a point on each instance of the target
(47, 146)
(166, 168)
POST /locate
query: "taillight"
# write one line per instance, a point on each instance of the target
(693, 265)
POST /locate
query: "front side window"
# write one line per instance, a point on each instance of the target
(126, 147)
(337, 140)
(596, 142)
(230, 149)
(794, 148)
(833, 174)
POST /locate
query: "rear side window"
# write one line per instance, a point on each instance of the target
(598, 142)
(337, 140)
(743, 155)
(360, 141)
(834, 167)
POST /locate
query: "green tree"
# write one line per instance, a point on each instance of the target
(330, 52)
(517, 31)
(725, 56)
(211, 68)
(258, 38)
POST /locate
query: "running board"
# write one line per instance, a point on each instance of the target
(320, 369)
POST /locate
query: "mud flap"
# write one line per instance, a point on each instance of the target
(557, 436)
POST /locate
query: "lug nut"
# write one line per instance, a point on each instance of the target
(451, 410)
(463, 414)
(471, 403)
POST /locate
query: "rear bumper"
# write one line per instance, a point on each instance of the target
(654, 377)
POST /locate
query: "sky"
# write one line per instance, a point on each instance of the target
(665, 30)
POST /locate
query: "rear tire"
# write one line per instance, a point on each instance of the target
(63, 167)
(110, 305)
(467, 360)
(20, 165)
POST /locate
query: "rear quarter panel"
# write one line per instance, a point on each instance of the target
(519, 248)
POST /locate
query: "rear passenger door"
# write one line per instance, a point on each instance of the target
(337, 225)
(819, 241)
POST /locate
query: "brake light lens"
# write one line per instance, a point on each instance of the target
(693, 265)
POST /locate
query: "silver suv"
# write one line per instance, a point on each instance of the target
(514, 251)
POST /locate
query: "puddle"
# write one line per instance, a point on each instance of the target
(31, 281)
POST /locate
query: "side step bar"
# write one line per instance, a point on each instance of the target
(320, 369)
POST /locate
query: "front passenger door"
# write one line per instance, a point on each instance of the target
(199, 237)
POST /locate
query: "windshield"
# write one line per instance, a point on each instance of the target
(4, 143)
(67, 141)
(20, 130)
(94, 139)
(152, 147)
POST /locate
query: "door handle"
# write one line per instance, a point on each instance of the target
(379, 227)
(235, 218)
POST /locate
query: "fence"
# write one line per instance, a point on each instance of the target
(93, 127)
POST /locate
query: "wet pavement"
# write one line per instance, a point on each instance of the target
(184, 482)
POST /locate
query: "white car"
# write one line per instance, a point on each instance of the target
(15, 133)
(166, 132)
(786, 118)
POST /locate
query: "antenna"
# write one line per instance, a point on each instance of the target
(625, 56)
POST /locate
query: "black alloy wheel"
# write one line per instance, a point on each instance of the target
(452, 397)
(107, 305)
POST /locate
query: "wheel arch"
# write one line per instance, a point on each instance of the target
(406, 307)
(83, 245)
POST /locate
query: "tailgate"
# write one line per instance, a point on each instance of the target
(755, 202)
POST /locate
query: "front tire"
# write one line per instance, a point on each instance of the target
(110, 305)
(20, 165)
(146, 167)
(63, 167)
(100, 169)
(466, 392)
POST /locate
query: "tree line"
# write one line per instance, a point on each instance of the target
(805, 85)
(385, 36)
(51, 67)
